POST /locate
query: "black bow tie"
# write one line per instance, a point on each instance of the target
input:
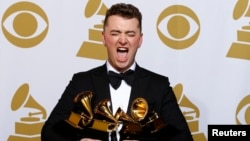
(115, 78)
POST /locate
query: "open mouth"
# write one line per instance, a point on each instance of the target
(122, 52)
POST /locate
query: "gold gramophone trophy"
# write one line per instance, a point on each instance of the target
(145, 124)
(83, 116)
(141, 124)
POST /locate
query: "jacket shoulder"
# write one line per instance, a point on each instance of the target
(96, 70)
(148, 72)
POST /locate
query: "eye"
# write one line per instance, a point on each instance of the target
(243, 111)
(114, 34)
(178, 27)
(131, 34)
(24, 24)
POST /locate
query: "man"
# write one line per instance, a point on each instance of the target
(122, 36)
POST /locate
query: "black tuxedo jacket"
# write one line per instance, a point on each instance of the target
(153, 87)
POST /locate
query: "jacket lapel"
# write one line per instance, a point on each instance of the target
(101, 84)
(139, 86)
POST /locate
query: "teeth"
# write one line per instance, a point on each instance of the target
(122, 49)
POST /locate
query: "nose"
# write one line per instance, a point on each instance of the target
(123, 40)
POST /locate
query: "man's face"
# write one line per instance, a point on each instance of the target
(122, 37)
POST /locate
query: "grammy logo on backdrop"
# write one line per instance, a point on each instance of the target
(94, 48)
(241, 48)
(29, 127)
(190, 111)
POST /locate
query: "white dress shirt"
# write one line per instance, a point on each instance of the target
(120, 97)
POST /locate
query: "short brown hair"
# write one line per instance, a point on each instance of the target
(124, 10)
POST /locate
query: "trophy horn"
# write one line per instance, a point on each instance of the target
(139, 109)
(120, 115)
(82, 114)
(103, 110)
(85, 111)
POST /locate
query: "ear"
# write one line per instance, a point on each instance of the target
(141, 39)
(103, 38)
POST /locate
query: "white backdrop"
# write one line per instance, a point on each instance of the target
(206, 56)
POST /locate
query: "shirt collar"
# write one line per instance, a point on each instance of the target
(110, 68)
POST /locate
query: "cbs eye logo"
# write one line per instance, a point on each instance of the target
(243, 111)
(178, 27)
(24, 24)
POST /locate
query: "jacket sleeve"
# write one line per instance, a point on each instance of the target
(56, 128)
(177, 128)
